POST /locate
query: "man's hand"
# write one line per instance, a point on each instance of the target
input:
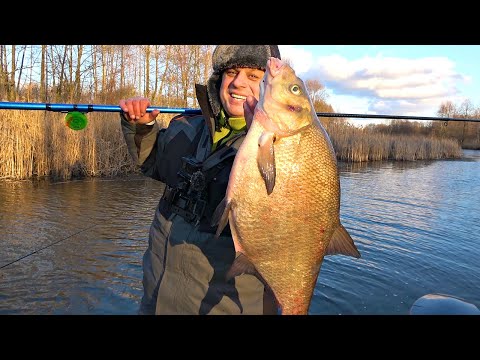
(135, 110)
(248, 108)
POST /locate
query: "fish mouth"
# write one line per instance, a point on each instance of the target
(274, 66)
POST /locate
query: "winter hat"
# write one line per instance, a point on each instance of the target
(229, 56)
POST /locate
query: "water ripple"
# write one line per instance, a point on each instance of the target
(76, 247)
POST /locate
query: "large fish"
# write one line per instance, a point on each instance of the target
(283, 195)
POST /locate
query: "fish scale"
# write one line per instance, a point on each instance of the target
(285, 234)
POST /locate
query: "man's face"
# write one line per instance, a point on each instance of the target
(237, 84)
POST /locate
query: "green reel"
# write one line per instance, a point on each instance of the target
(76, 120)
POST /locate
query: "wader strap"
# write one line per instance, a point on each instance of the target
(204, 147)
(187, 200)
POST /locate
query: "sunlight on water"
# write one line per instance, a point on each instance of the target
(76, 247)
(416, 226)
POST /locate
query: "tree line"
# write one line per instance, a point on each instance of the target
(37, 144)
(103, 73)
(165, 74)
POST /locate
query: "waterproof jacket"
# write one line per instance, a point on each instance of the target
(184, 266)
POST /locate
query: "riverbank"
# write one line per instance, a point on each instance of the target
(39, 145)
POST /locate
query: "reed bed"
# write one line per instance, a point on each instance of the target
(354, 144)
(38, 144)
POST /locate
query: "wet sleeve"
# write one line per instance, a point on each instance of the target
(140, 139)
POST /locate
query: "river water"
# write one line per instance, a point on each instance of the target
(76, 247)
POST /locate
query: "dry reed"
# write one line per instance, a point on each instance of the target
(354, 144)
(37, 144)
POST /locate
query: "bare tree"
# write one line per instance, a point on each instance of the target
(94, 72)
(122, 66)
(103, 56)
(76, 89)
(166, 70)
(315, 89)
(466, 108)
(43, 73)
(12, 94)
(147, 70)
(61, 80)
(447, 109)
(17, 88)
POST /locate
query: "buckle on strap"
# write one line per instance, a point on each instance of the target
(188, 207)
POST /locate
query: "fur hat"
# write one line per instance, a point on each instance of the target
(229, 56)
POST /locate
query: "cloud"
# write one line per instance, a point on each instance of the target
(301, 59)
(388, 85)
(387, 77)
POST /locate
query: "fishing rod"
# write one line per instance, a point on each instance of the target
(76, 119)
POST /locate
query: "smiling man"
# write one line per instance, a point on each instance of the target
(184, 266)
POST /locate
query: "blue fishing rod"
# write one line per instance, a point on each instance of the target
(77, 120)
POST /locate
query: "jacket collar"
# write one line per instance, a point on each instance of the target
(203, 102)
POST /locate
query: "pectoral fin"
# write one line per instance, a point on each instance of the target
(266, 159)
(342, 243)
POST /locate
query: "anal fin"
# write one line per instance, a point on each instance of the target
(242, 265)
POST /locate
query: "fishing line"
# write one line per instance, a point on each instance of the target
(55, 242)
(45, 247)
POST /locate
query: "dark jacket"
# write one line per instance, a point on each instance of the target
(184, 265)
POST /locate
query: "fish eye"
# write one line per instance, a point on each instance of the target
(295, 89)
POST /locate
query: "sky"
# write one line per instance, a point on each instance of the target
(390, 79)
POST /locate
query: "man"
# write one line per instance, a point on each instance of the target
(184, 266)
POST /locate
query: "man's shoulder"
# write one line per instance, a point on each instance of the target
(187, 120)
(190, 124)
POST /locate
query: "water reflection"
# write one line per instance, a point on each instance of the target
(76, 247)
(415, 226)
(347, 169)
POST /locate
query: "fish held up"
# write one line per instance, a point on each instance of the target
(283, 197)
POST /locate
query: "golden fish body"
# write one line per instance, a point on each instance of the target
(283, 196)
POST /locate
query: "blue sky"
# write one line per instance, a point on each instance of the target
(390, 79)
